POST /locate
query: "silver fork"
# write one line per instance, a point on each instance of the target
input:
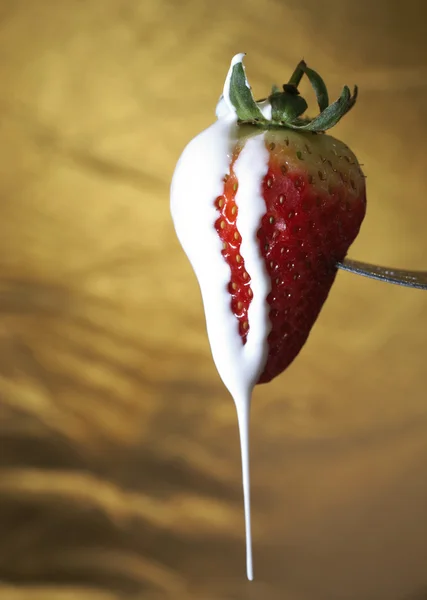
(414, 279)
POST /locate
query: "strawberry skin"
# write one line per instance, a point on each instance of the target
(315, 203)
(315, 199)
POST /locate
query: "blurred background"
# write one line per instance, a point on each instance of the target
(119, 453)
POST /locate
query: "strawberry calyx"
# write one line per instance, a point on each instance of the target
(287, 105)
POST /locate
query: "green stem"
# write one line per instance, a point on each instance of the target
(297, 75)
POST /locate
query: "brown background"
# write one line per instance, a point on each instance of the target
(120, 467)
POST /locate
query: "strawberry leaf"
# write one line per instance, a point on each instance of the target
(331, 115)
(319, 87)
(241, 97)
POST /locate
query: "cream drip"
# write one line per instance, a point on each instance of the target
(197, 182)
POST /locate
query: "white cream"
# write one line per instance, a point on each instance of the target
(197, 182)
(250, 170)
(265, 108)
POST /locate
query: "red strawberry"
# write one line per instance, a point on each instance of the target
(298, 198)
(314, 193)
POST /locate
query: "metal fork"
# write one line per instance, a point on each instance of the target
(414, 279)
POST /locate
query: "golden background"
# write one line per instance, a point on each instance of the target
(120, 465)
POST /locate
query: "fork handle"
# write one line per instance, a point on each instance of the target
(414, 279)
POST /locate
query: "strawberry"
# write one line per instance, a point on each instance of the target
(315, 202)
(265, 204)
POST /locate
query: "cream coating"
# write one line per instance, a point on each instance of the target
(197, 182)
